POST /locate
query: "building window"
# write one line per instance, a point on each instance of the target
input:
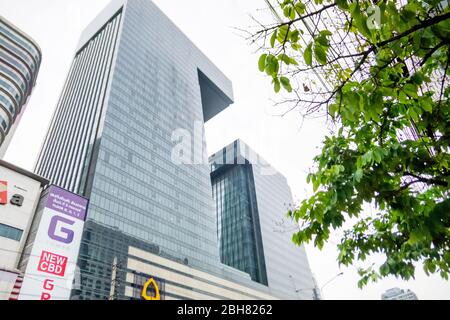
(10, 232)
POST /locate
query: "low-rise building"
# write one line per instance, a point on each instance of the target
(20, 192)
(399, 294)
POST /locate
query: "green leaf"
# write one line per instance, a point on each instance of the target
(262, 62)
(272, 65)
(367, 158)
(316, 182)
(333, 109)
(283, 34)
(320, 54)
(326, 33)
(295, 36)
(360, 21)
(286, 59)
(378, 155)
(411, 112)
(295, 46)
(417, 78)
(300, 7)
(292, 13)
(273, 38)
(308, 55)
(358, 175)
(323, 41)
(289, 12)
(427, 104)
(402, 97)
(384, 269)
(322, 38)
(430, 267)
(342, 4)
(411, 90)
(415, 237)
(276, 84)
(286, 84)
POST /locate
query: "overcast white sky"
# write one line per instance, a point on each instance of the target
(287, 144)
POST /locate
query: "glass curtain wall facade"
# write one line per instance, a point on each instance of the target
(238, 229)
(135, 80)
(20, 59)
(252, 200)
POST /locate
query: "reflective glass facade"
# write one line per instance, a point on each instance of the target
(135, 80)
(20, 59)
(238, 229)
(252, 200)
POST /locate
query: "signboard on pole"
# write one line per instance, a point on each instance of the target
(52, 263)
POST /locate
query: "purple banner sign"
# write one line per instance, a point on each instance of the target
(67, 203)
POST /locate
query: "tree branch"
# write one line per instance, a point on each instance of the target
(425, 24)
(429, 181)
(301, 18)
(430, 53)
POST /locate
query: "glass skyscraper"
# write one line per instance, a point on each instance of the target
(20, 59)
(136, 82)
(252, 200)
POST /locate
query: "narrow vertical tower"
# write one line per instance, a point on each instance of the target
(252, 200)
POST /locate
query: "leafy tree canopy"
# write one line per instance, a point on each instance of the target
(386, 67)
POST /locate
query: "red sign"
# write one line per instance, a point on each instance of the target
(3, 192)
(49, 286)
(52, 263)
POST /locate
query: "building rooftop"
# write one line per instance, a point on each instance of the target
(44, 182)
(216, 89)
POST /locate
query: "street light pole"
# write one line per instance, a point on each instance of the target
(328, 282)
(332, 279)
(314, 290)
(295, 287)
(315, 295)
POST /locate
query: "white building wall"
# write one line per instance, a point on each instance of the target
(17, 217)
(207, 286)
(288, 271)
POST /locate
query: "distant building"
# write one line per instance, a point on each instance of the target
(20, 59)
(252, 200)
(399, 294)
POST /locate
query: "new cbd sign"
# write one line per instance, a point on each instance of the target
(54, 255)
(52, 263)
(16, 199)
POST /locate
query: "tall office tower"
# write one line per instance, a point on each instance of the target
(399, 294)
(252, 200)
(138, 89)
(20, 59)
